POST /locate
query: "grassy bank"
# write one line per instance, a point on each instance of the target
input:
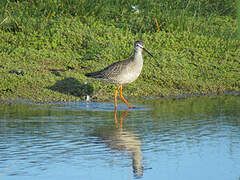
(47, 46)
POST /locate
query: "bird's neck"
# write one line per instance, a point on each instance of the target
(137, 55)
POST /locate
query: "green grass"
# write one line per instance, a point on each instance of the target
(47, 46)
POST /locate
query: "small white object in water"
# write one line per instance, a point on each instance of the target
(87, 98)
(135, 8)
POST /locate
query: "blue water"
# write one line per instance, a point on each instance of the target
(162, 138)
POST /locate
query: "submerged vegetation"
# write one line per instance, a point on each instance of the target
(46, 47)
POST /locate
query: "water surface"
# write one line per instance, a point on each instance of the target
(164, 138)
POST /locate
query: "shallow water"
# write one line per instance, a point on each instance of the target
(165, 138)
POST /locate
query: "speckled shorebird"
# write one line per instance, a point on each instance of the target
(122, 72)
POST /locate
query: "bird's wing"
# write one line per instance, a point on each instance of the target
(111, 71)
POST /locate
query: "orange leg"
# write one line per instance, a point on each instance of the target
(115, 118)
(115, 97)
(121, 96)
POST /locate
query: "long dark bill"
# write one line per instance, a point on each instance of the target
(147, 52)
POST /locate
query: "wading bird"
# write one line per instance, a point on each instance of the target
(122, 72)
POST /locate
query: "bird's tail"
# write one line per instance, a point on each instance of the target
(88, 74)
(97, 74)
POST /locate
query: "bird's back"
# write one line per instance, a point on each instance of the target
(113, 72)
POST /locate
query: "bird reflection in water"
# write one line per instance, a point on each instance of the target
(120, 139)
(125, 140)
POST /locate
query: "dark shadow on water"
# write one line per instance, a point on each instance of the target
(121, 139)
(72, 86)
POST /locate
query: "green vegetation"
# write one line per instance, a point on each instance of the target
(47, 46)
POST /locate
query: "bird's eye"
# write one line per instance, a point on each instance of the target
(140, 45)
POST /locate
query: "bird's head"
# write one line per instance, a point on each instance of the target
(139, 46)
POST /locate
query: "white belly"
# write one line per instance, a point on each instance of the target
(130, 74)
